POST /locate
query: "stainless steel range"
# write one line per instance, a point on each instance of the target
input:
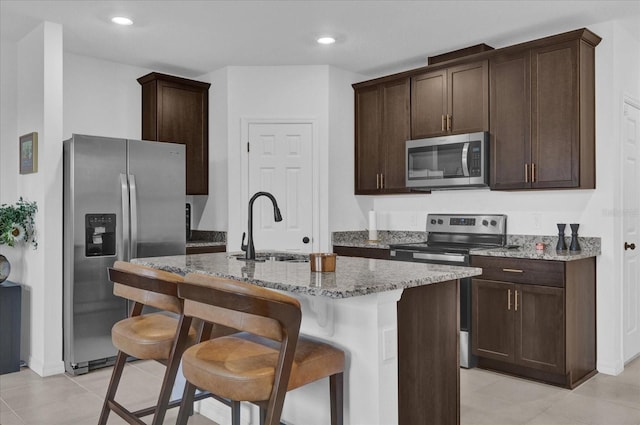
(450, 239)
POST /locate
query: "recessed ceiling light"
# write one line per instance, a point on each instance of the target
(326, 40)
(121, 20)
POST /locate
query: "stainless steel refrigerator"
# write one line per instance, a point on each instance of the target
(123, 199)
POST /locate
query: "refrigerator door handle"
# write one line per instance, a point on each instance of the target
(124, 241)
(134, 215)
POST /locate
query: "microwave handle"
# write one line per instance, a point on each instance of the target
(465, 159)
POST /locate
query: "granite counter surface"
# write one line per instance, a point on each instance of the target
(203, 238)
(524, 246)
(353, 276)
(359, 238)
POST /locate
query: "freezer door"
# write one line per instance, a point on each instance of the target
(157, 184)
(94, 168)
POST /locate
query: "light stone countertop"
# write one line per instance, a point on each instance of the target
(526, 245)
(353, 276)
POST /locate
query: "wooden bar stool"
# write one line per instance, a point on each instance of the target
(264, 361)
(154, 336)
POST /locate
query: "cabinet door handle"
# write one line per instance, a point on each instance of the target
(513, 270)
(449, 122)
(381, 181)
(526, 173)
(509, 299)
(516, 302)
(533, 172)
(442, 124)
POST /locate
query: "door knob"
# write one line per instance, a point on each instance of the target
(630, 246)
(305, 239)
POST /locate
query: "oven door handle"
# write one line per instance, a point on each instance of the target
(439, 257)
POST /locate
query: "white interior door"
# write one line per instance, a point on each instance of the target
(631, 229)
(280, 162)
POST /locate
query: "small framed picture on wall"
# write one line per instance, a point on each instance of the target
(29, 153)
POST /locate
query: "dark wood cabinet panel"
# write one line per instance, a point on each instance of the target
(206, 249)
(352, 251)
(395, 132)
(382, 127)
(367, 155)
(492, 324)
(468, 97)
(451, 100)
(428, 350)
(541, 330)
(555, 116)
(429, 104)
(177, 110)
(542, 114)
(509, 128)
(539, 323)
(536, 272)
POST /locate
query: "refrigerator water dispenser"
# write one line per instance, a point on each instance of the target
(100, 235)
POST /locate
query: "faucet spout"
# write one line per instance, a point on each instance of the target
(277, 216)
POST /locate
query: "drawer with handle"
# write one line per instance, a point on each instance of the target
(519, 270)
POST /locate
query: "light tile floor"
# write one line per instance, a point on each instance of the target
(486, 398)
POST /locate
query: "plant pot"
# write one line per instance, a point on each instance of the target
(5, 268)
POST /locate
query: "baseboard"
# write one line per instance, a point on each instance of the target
(221, 413)
(610, 368)
(44, 370)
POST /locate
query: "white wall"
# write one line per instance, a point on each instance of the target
(210, 212)
(288, 92)
(39, 108)
(346, 211)
(102, 98)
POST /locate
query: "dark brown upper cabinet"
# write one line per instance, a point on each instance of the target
(382, 127)
(450, 101)
(537, 100)
(542, 101)
(176, 110)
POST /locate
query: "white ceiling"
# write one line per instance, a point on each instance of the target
(191, 38)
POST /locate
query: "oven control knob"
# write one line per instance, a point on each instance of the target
(493, 222)
(485, 223)
(440, 221)
(433, 221)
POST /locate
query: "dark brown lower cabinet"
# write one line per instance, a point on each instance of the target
(353, 251)
(535, 318)
(206, 249)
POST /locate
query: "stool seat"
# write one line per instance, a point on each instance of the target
(148, 336)
(242, 366)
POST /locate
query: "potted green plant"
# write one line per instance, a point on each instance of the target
(16, 227)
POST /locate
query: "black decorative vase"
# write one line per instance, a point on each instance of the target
(575, 246)
(561, 246)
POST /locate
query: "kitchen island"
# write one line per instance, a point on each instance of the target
(397, 322)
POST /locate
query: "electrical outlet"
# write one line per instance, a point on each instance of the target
(389, 344)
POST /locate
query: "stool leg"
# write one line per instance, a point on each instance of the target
(186, 405)
(336, 388)
(179, 346)
(235, 412)
(118, 367)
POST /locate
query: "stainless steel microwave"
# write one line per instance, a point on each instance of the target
(448, 162)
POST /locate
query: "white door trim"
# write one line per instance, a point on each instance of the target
(245, 122)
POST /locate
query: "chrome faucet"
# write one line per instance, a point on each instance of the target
(249, 248)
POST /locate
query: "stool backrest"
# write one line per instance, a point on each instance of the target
(240, 305)
(145, 285)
